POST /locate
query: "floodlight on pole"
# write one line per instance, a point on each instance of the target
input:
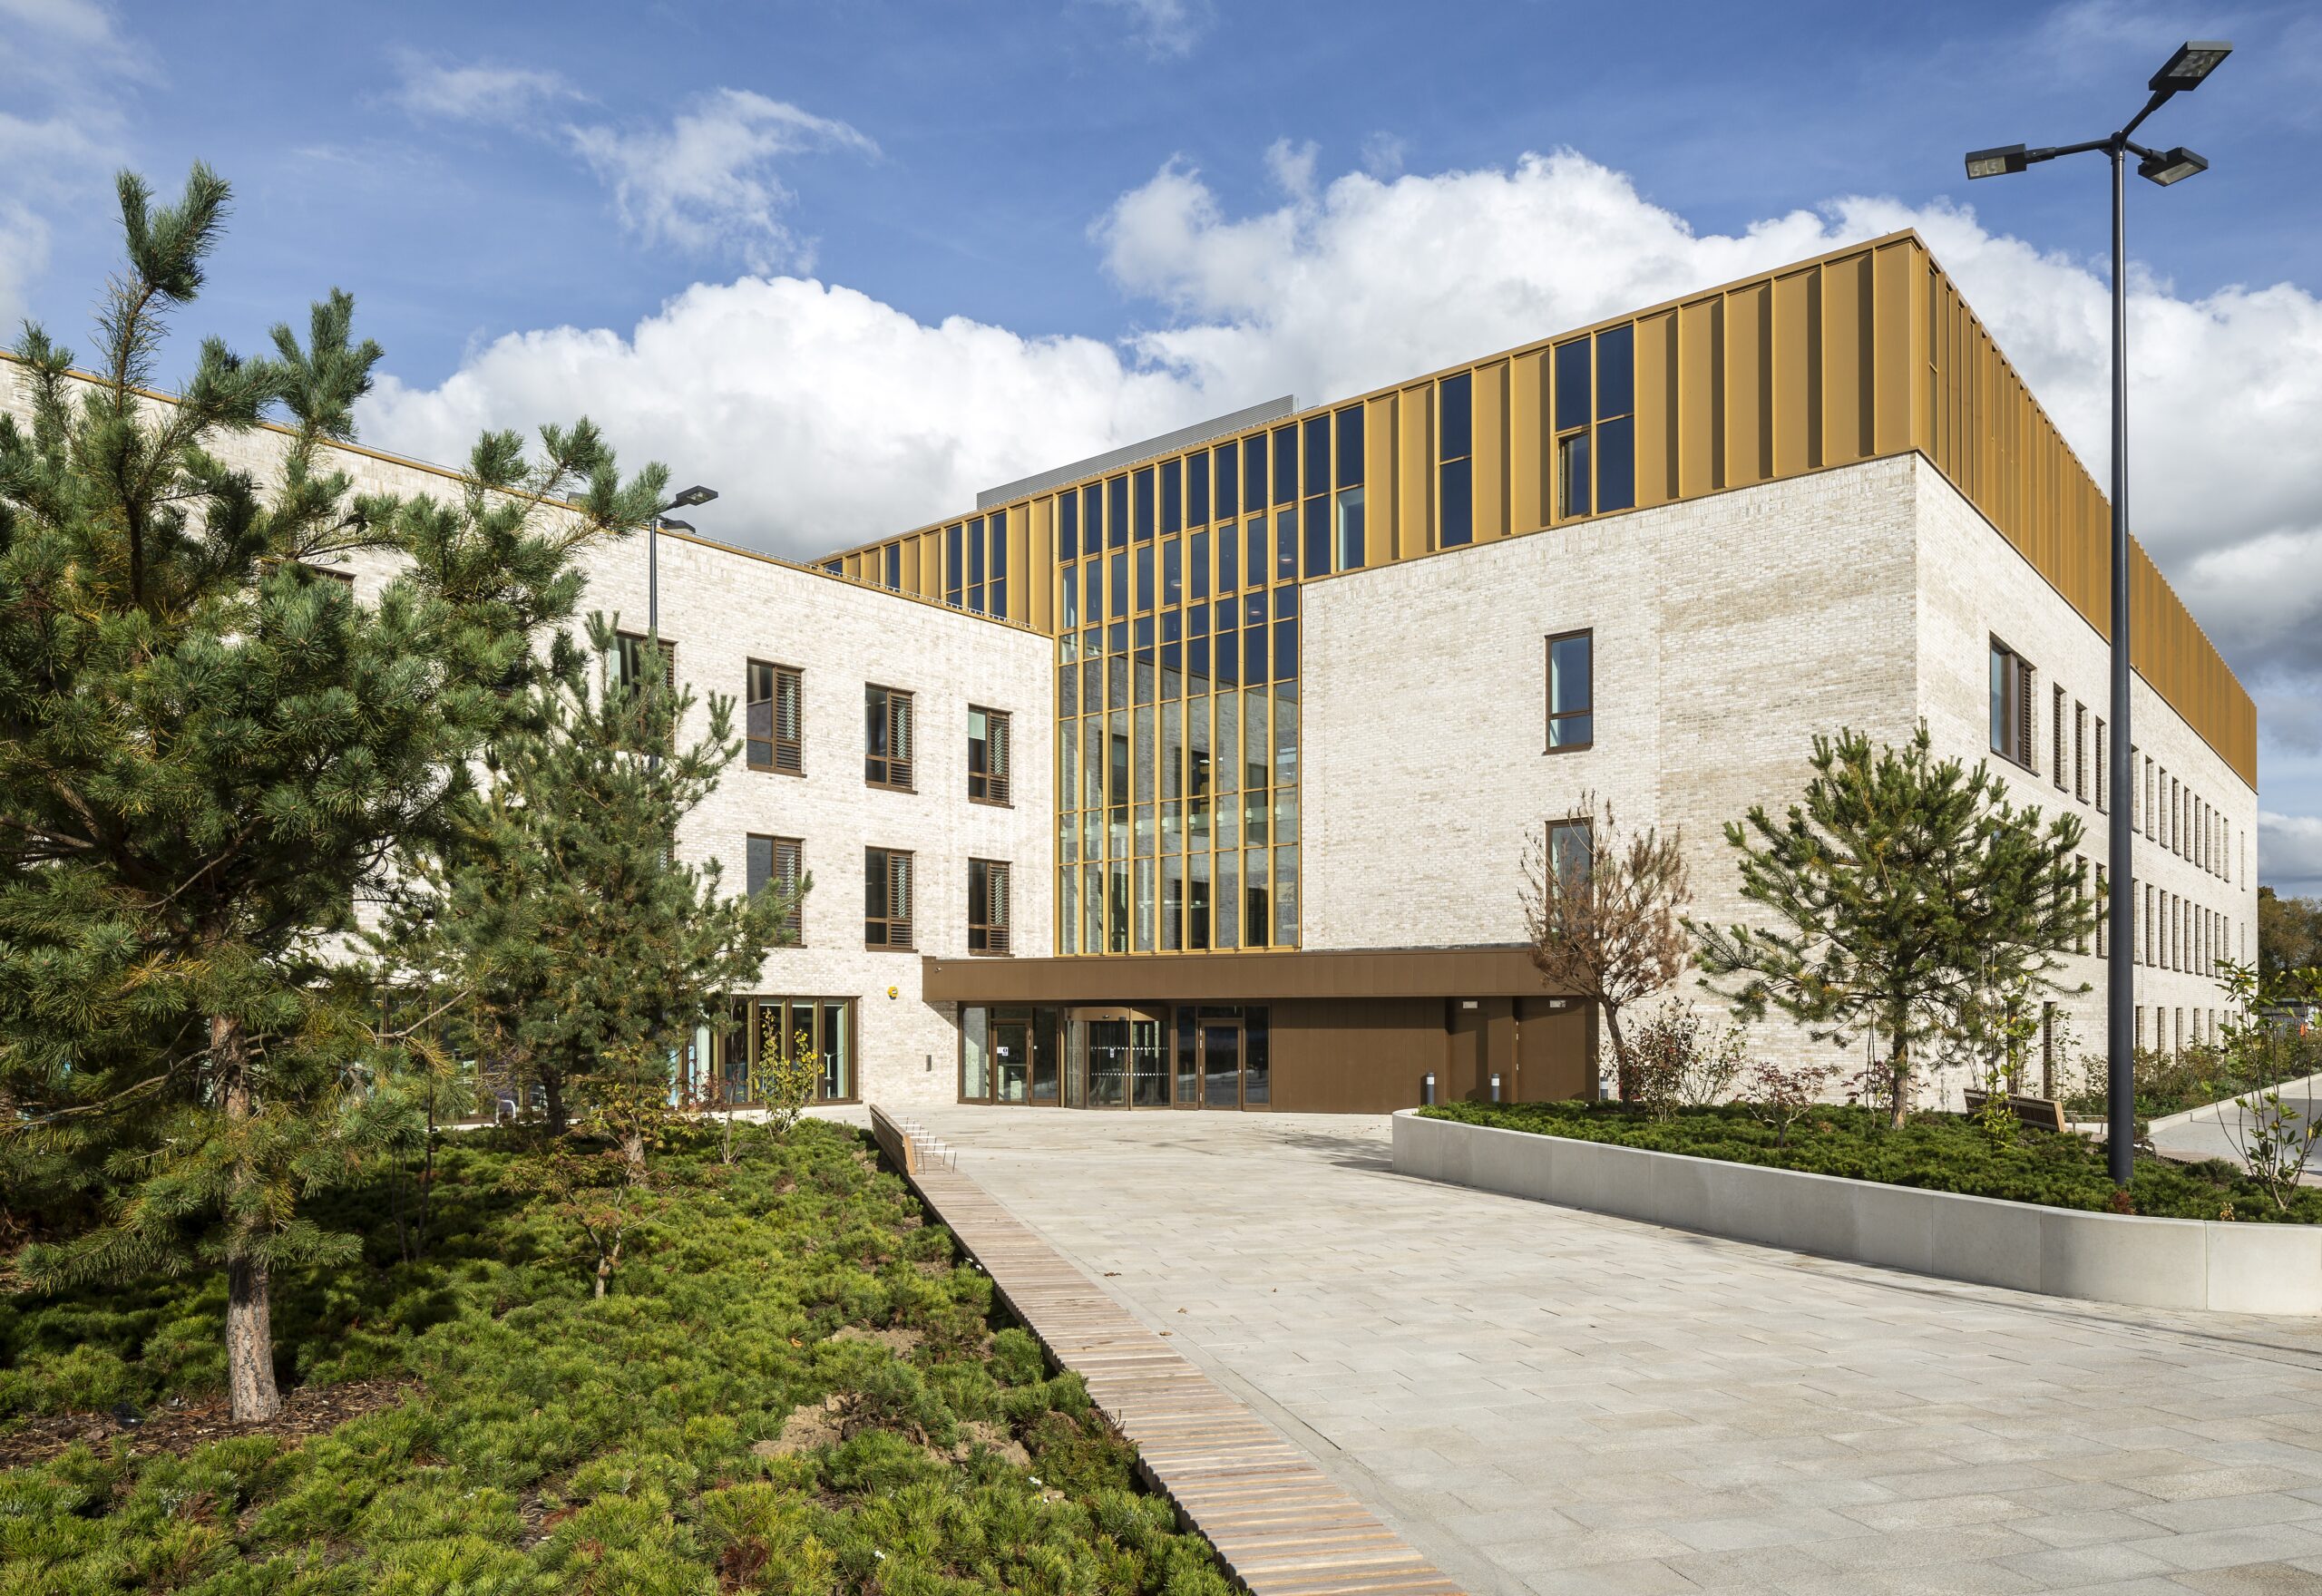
(2186, 70)
(1998, 162)
(2171, 166)
(2194, 61)
(687, 497)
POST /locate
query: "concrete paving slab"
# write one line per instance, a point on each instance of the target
(1542, 1399)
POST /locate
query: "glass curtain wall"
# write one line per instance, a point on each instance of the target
(1176, 606)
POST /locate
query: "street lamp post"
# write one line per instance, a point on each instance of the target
(2194, 62)
(690, 497)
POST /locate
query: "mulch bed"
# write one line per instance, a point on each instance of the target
(179, 1428)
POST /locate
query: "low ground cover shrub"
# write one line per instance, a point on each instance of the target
(793, 1386)
(1938, 1152)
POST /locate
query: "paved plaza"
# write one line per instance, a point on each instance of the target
(1544, 1400)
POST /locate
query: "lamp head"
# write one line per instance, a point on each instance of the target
(1991, 163)
(671, 524)
(2171, 166)
(694, 495)
(2195, 60)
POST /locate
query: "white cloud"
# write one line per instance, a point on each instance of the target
(822, 415)
(828, 418)
(1167, 29)
(2289, 849)
(706, 183)
(475, 91)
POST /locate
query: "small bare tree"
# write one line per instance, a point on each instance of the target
(1606, 913)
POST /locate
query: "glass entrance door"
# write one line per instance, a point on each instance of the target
(1108, 1047)
(1116, 1058)
(1220, 1063)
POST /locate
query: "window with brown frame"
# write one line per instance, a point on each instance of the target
(2080, 752)
(1572, 852)
(773, 713)
(1572, 691)
(886, 898)
(776, 862)
(887, 740)
(987, 906)
(2056, 766)
(2104, 774)
(629, 650)
(988, 759)
(2012, 705)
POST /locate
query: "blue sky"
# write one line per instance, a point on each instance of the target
(850, 261)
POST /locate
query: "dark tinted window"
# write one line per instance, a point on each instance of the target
(975, 551)
(1454, 411)
(1253, 471)
(1572, 690)
(955, 569)
(1572, 475)
(1068, 527)
(1318, 454)
(1458, 506)
(1197, 489)
(1350, 447)
(1616, 463)
(1228, 578)
(1572, 384)
(1117, 514)
(1173, 573)
(895, 562)
(1197, 563)
(1229, 457)
(1144, 576)
(1173, 496)
(1285, 465)
(1092, 519)
(1121, 586)
(1616, 372)
(1144, 505)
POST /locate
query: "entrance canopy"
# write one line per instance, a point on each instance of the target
(1237, 978)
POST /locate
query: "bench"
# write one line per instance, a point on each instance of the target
(2038, 1114)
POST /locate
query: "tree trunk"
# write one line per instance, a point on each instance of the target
(552, 1088)
(250, 1322)
(1898, 1081)
(1623, 1085)
(249, 1342)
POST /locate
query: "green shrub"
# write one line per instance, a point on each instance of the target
(1938, 1152)
(550, 1443)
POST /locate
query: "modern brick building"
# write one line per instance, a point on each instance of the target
(1198, 775)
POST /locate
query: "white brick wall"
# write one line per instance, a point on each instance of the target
(1729, 630)
(1963, 605)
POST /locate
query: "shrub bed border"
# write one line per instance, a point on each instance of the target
(2140, 1262)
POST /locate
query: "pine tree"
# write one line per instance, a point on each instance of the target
(208, 752)
(1903, 888)
(581, 948)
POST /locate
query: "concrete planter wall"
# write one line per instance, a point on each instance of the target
(2099, 1257)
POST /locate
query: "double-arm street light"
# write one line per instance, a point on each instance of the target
(688, 499)
(2194, 62)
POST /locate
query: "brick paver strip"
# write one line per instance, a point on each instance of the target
(1280, 1525)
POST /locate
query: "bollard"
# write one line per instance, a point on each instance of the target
(1495, 1087)
(1427, 1091)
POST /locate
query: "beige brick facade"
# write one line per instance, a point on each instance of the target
(1728, 631)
